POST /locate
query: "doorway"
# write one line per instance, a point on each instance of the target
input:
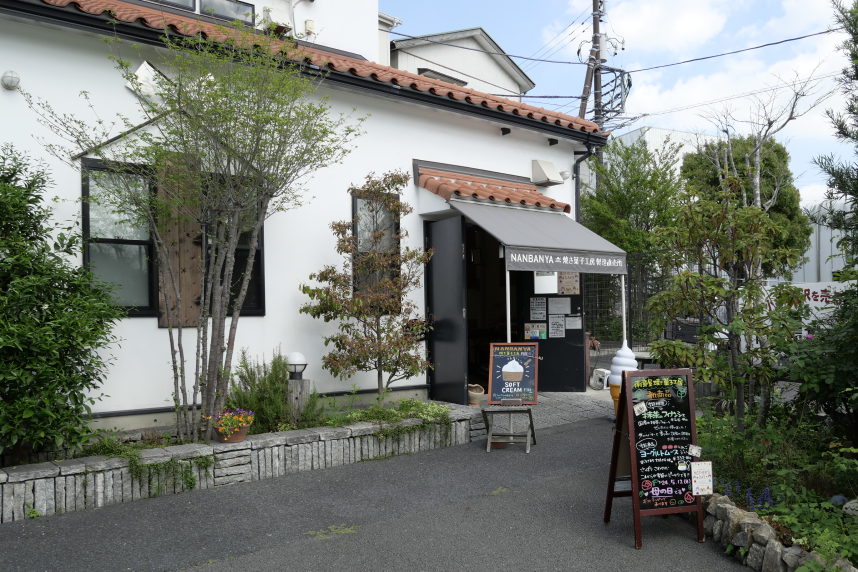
(466, 299)
(486, 301)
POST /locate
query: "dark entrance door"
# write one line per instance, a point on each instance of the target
(447, 343)
(561, 365)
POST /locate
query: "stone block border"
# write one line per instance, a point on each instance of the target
(56, 486)
(755, 542)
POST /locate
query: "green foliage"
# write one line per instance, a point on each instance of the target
(775, 177)
(31, 512)
(56, 319)
(786, 470)
(715, 251)
(637, 192)
(407, 408)
(172, 470)
(262, 387)
(826, 364)
(379, 324)
(842, 176)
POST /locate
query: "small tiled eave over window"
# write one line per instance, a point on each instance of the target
(488, 191)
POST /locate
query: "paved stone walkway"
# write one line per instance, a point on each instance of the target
(560, 408)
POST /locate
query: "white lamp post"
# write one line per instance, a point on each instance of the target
(297, 365)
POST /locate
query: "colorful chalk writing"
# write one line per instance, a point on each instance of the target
(663, 433)
(513, 370)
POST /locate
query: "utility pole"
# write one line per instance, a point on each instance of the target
(593, 77)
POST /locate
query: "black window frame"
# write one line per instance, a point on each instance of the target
(176, 4)
(151, 310)
(396, 230)
(240, 16)
(259, 310)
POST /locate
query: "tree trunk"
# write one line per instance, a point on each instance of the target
(751, 388)
(765, 403)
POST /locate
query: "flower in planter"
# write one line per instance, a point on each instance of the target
(232, 420)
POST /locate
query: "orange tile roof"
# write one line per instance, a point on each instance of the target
(186, 25)
(447, 185)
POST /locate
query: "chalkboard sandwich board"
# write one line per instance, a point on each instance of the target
(513, 373)
(655, 428)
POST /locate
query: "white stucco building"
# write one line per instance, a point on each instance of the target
(465, 149)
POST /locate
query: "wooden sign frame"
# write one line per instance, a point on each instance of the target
(624, 459)
(535, 370)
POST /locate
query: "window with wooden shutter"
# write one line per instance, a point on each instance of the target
(184, 238)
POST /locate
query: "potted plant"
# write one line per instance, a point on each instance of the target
(231, 425)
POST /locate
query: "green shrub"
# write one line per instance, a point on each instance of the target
(264, 389)
(56, 319)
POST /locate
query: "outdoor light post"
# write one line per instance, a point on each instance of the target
(297, 365)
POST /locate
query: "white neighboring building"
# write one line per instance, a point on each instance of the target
(464, 148)
(472, 68)
(656, 137)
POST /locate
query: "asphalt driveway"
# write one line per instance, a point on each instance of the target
(458, 508)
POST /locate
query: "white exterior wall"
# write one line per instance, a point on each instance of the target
(476, 64)
(56, 64)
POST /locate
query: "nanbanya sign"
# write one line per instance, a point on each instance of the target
(543, 259)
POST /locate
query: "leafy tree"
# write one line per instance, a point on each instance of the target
(379, 328)
(233, 133)
(842, 192)
(713, 250)
(637, 193)
(826, 363)
(782, 199)
(55, 319)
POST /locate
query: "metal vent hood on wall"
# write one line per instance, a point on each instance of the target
(544, 241)
(545, 174)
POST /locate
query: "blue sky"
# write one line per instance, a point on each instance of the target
(665, 31)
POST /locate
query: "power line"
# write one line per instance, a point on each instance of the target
(559, 46)
(729, 97)
(479, 50)
(633, 71)
(737, 51)
(545, 96)
(533, 55)
(511, 94)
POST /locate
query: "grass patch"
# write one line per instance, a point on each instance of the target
(327, 534)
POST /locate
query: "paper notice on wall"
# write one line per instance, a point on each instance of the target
(537, 309)
(535, 331)
(701, 478)
(559, 305)
(568, 283)
(556, 326)
(573, 322)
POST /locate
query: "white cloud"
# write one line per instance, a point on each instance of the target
(812, 194)
(668, 26)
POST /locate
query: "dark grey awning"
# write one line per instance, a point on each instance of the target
(545, 241)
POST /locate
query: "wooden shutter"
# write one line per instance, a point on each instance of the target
(185, 238)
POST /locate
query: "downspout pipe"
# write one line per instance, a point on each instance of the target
(576, 170)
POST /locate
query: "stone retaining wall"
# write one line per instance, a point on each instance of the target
(91, 482)
(730, 525)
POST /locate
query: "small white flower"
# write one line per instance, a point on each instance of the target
(44, 306)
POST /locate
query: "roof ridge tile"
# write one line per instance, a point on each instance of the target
(156, 19)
